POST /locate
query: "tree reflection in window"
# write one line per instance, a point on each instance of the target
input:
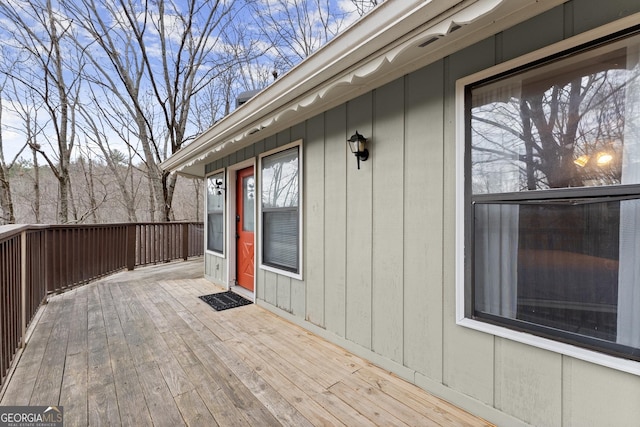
(554, 126)
(560, 263)
(280, 179)
(280, 210)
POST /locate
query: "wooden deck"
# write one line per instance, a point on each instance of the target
(139, 348)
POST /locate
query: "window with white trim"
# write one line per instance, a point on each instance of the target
(280, 210)
(215, 213)
(552, 198)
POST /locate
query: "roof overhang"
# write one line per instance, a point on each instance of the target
(394, 39)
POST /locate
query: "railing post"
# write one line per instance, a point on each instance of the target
(48, 271)
(131, 246)
(185, 241)
(23, 285)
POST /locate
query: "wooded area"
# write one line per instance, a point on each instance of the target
(95, 195)
(95, 95)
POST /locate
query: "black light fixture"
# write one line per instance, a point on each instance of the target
(219, 187)
(357, 145)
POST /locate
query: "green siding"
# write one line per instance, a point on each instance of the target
(517, 41)
(589, 14)
(270, 286)
(387, 161)
(314, 220)
(358, 225)
(423, 221)
(528, 383)
(335, 211)
(379, 245)
(597, 396)
(215, 268)
(468, 355)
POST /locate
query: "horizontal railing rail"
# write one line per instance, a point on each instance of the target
(42, 259)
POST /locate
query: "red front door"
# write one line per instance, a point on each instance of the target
(245, 202)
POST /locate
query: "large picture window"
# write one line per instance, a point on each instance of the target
(215, 213)
(552, 198)
(280, 210)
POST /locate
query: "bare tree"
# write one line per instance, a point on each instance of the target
(21, 103)
(85, 162)
(96, 133)
(40, 33)
(36, 186)
(294, 29)
(6, 201)
(141, 79)
(197, 186)
(251, 72)
(550, 132)
(364, 6)
(160, 56)
(24, 104)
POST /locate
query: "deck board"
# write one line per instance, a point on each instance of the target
(50, 374)
(139, 348)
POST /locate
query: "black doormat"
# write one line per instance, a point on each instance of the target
(224, 300)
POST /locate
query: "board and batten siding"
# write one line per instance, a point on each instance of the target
(534, 385)
(379, 245)
(215, 268)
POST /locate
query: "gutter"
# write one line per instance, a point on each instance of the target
(396, 38)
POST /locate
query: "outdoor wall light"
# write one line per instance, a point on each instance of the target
(218, 186)
(357, 145)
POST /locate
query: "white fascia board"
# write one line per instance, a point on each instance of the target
(382, 46)
(349, 47)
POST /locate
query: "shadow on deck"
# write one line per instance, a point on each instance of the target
(139, 348)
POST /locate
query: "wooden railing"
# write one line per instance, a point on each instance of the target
(38, 260)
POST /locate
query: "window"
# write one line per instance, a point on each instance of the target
(215, 213)
(552, 198)
(280, 208)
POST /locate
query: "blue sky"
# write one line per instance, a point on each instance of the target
(253, 74)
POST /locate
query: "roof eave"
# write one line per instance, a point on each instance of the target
(385, 45)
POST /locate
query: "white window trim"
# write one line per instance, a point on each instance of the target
(294, 275)
(222, 254)
(595, 357)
